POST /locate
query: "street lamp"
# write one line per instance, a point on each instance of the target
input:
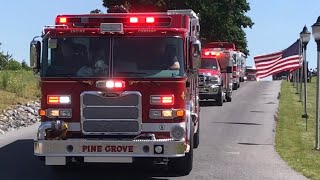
(305, 38)
(316, 35)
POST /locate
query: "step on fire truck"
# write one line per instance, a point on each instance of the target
(225, 54)
(119, 87)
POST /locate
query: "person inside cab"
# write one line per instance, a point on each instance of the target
(96, 66)
(168, 55)
(64, 59)
(162, 57)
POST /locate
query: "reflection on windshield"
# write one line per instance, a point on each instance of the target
(148, 57)
(209, 64)
(132, 57)
(77, 57)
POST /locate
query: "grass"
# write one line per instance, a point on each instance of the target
(293, 143)
(17, 87)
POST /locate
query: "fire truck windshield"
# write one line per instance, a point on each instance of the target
(209, 64)
(154, 57)
(148, 57)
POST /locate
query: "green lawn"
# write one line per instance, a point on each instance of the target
(293, 143)
(17, 87)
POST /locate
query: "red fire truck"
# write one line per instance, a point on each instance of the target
(119, 87)
(224, 53)
(210, 78)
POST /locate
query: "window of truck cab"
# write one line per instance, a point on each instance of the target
(76, 57)
(148, 57)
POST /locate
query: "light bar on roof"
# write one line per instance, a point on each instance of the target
(111, 27)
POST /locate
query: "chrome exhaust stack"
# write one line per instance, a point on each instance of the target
(58, 127)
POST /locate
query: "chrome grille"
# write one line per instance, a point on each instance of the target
(111, 126)
(111, 113)
(201, 80)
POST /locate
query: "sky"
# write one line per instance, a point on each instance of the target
(277, 23)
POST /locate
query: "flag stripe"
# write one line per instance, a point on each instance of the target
(288, 67)
(274, 63)
(268, 55)
(266, 59)
(278, 67)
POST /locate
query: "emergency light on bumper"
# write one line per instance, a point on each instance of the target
(165, 113)
(61, 113)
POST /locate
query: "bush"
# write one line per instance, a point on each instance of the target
(22, 83)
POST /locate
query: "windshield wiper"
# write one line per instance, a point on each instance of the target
(79, 81)
(133, 72)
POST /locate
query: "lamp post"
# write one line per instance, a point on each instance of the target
(305, 38)
(316, 35)
(297, 81)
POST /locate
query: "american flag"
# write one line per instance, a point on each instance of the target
(285, 60)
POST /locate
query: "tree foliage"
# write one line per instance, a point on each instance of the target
(7, 62)
(221, 20)
(96, 11)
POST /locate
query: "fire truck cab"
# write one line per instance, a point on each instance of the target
(118, 87)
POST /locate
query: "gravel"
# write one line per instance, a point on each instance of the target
(19, 116)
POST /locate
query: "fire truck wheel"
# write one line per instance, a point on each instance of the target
(235, 86)
(219, 100)
(183, 165)
(229, 98)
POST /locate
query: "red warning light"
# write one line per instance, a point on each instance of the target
(211, 53)
(133, 20)
(150, 20)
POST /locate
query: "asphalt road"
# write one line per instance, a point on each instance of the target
(237, 142)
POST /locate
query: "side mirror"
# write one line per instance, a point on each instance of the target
(195, 55)
(229, 69)
(35, 54)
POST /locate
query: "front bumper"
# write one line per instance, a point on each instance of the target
(211, 90)
(108, 148)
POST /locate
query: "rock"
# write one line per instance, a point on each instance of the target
(29, 109)
(19, 116)
(20, 109)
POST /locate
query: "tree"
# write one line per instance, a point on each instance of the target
(221, 20)
(25, 66)
(96, 11)
(4, 59)
(13, 65)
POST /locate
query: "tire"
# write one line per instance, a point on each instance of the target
(229, 98)
(238, 85)
(183, 165)
(219, 100)
(235, 86)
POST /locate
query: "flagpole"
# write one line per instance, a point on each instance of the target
(301, 74)
(297, 81)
